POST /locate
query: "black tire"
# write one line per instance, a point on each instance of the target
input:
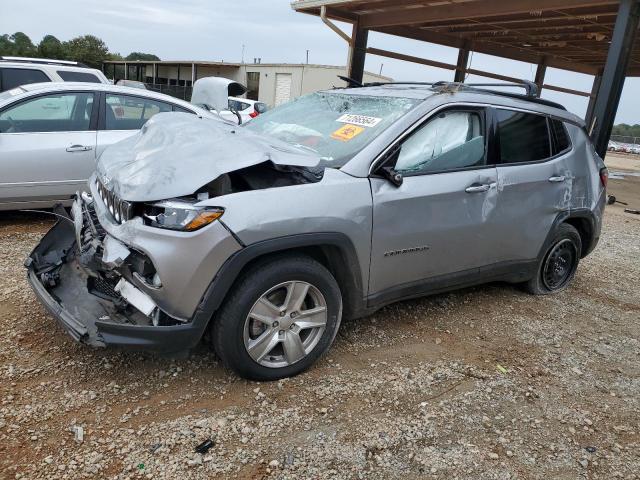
(559, 264)
(228, 331)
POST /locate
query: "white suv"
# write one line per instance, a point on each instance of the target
(17, 71)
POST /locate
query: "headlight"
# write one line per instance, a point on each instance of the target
(180, 215)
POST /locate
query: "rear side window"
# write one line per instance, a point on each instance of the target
(238, 106)
(14, 77)
(524, 137)
(176, 108)
(560, 136)
(69, 76)
(127, 112)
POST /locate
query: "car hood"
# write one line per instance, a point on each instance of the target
(175, 154)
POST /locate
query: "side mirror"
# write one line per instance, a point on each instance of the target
(392, 175)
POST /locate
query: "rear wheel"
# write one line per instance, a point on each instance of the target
(280, 317)
(559, 264)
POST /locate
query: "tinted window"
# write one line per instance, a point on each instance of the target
(69, 76)
(126, 112)
(14, 77)
(67, 112)
(449, 141)
(524, 137)
(560, 136)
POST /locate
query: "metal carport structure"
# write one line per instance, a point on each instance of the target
(596, 37)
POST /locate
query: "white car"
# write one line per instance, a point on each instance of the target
(17, 71)
(248, 109)
(52, 133)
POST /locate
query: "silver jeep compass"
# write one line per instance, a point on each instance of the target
(333, 205)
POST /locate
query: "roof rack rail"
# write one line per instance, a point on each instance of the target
(531, 89)
(42, 61)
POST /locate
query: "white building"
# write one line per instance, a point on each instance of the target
(271, 83)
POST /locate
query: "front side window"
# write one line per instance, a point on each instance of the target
(524, 137)
(449, 141)
(68, 112)
(336, 126)
(14, 77)
(71, 76)
(126, 112)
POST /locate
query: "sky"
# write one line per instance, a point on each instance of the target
(268, 29)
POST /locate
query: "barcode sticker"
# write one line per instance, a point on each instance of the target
(361, 120)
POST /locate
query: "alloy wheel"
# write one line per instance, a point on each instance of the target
(285, 324)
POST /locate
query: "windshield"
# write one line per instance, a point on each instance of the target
(334, 125)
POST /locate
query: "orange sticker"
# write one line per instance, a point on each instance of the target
(347, 132)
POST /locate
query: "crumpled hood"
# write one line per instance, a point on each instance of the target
(175, 154)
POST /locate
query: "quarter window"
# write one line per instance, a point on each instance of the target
(71, 76)
(69, 112)
(524, 137)
(561, 137)
(450, 141)
(14, 77)
(126, 112)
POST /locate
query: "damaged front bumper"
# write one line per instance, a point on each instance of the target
(96, 303)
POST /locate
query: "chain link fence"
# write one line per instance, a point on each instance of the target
(177, 91)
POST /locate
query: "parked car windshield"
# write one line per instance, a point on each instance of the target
(334, 125)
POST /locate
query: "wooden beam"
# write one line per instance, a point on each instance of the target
(488, 48)
(410, 58)
(482, 9)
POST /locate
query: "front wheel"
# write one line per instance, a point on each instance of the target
(280, 317)
(559, 264)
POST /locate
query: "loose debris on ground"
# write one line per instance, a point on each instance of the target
(487, 382)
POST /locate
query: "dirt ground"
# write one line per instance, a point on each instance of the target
(487, 382)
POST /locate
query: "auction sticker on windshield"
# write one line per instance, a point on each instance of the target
(347, 132)
(361, 120)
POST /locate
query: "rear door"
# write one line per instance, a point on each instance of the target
(534, 181)
(440, 222)
(11, 77)
(123, 115)
(47, 146)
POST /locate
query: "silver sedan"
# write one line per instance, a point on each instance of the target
(52, 133)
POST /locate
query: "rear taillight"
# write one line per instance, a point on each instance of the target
(604, 177)
(254, 114)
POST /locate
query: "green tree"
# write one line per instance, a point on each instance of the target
(142, 56)
(51, 47)
(87, 49)
(6, 45)
(22, 45)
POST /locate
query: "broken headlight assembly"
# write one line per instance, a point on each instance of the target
(180, 215)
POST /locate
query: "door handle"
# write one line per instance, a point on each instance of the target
(558, 179)
(79, 148)
(478, 188)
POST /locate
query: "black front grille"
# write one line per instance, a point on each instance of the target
(103, 288)
(120, 210)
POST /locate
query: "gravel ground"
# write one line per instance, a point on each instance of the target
(487, 382)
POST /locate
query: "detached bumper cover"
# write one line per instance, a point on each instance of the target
(61, 284)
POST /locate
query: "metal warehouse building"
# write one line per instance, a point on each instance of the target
(271, 83)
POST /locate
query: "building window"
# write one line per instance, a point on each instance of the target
(253, 85)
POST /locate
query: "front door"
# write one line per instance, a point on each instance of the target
(439, 222)
(47, 146)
